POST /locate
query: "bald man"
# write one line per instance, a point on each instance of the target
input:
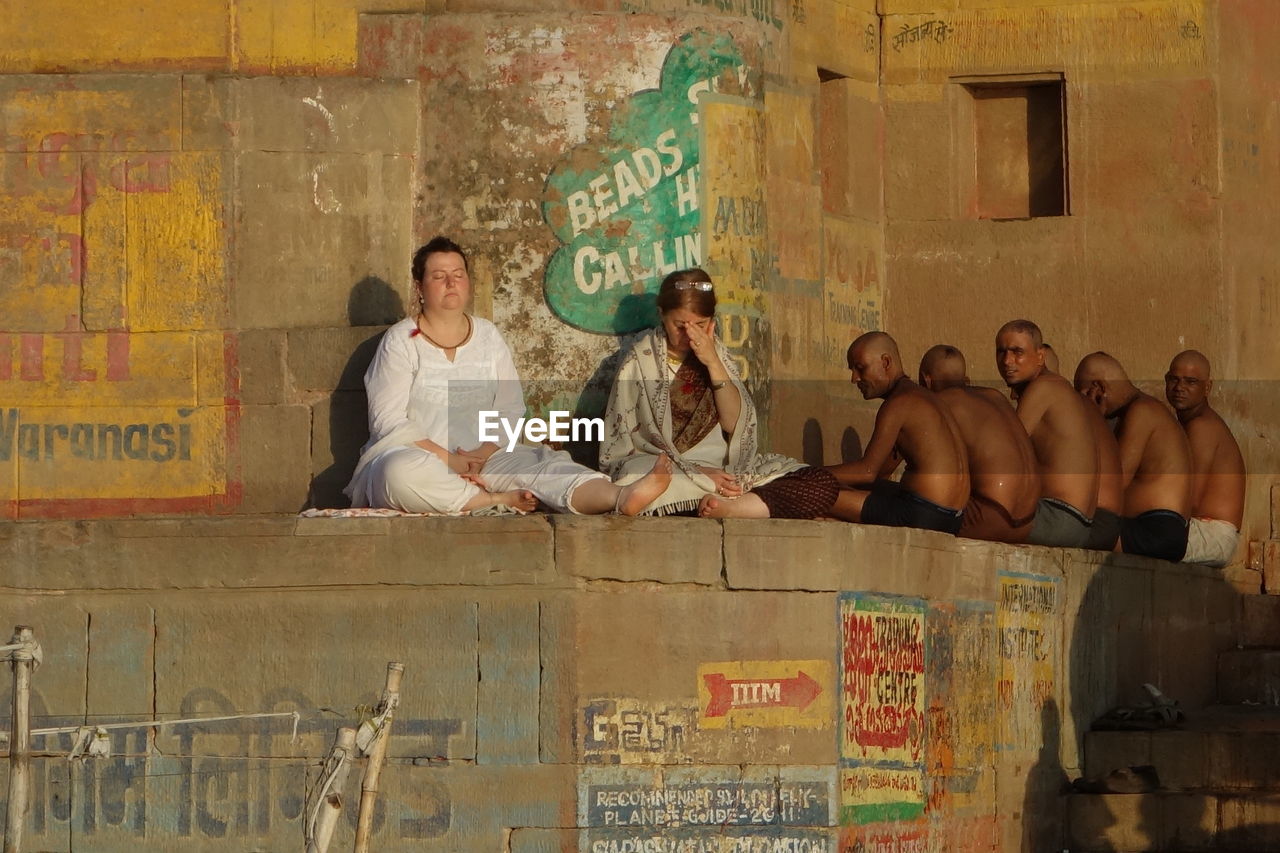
(1055, 418)
(1217, 466)
(912, 426)
(1004, 483)
(1155, 460)
(1105, 530)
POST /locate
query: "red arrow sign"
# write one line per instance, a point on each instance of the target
(738, 694)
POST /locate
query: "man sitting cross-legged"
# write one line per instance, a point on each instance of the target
(1002, 463)
(1154, 457)
(912, 426)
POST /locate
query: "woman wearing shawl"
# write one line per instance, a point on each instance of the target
(677, 395)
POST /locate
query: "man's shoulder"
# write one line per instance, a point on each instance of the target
(988, 396)
(1048, 388)
(1146, 409)
(1209, 426)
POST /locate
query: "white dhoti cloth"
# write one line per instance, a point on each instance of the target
(411, 479)
(1211, 542)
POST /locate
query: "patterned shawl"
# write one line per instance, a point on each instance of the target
(640, 424)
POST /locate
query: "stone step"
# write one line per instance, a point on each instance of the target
(1219, 749)
(1260, 621)
(1173, 822)
(1249, 675)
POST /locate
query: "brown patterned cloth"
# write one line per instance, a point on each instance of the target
(693, 405)
(807, 493)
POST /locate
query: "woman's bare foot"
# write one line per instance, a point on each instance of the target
(747, 506)
(635, 497)
(519, 500)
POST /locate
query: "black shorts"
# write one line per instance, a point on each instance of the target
(891, 505)
(1105, 530)
(1160, 533)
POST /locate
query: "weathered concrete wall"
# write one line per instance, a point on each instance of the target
(821, 683)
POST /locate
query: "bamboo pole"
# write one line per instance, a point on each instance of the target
(329, 809)
(377, 754)
(20, 744)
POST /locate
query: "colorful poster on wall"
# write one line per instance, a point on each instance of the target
(882, 723)
(628, 212)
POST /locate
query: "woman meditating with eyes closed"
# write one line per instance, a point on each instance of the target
(678, 395)
(433, 375)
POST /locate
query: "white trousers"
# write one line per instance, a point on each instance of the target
(411, 479)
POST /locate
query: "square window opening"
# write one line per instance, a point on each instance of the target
(1019, 147)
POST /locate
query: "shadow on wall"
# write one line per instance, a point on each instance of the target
(812, 445)
(635, 308)
(373, 302)
(1113, 651)
(1046, 783)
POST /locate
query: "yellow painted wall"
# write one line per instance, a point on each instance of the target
(246, 36)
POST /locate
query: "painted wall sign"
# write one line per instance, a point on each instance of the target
(628, 212)
(875, 794)
(117, 392)
(621, 730)
(708, 804)
(706, 810)
(886, 838)
(766, 694)
(882, 727)
(735, 227)
(960, 729)
(1028, 620)
(755, 840)
(882, 676)
(192, 798)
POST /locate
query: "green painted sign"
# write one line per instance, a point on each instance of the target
(626, 213)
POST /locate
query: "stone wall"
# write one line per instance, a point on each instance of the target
(589, 683)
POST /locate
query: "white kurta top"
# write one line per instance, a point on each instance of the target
(415, 393)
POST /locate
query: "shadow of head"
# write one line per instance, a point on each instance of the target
(373, 302)
(636, 311)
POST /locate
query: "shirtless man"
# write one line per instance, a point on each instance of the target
(1066, 451)
(913, 426)
(1155, 460)
(1105, 532)
(1217, 473)
(1002, 463)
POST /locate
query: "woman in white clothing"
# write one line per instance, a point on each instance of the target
(432, 376)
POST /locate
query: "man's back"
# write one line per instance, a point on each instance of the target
(1054, 417)
(930, 442)
(1002, 461)
(1156, 458)
(1110, 474)
(1218, 466)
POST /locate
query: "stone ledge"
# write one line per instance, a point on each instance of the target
(540, 550)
